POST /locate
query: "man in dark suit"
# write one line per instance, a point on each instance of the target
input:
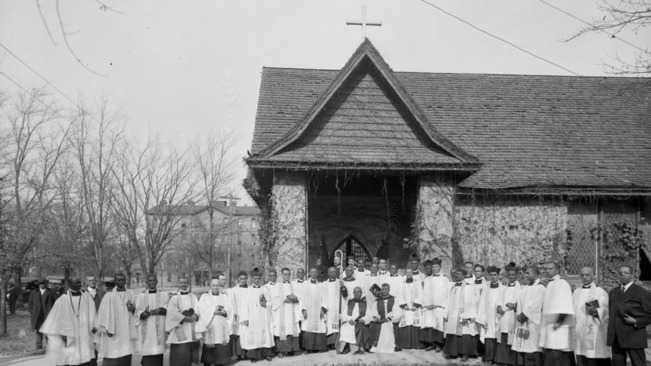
(39, 304)
(630, 312)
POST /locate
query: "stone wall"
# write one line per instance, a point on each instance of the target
(289, 202)
(496, 232)
(434, 225)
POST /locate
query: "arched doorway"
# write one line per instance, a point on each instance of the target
(352, 246)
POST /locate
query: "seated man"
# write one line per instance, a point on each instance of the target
(384, 312)
(354, 324)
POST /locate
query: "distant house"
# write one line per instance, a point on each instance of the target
(485, 168)
(234, 240)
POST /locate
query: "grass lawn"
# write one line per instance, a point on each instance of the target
(20, 340)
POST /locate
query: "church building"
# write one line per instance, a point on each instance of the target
(478, 167)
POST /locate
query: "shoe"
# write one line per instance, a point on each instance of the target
(398, 349)
(430, 348)
(438, 349)
(281, 355)
(268, 358)
(254, 360)
(464, 358)
(360, 352)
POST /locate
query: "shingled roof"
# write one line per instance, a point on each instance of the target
(524, 130)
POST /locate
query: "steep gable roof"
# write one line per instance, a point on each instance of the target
(527, 130)
(399, 133)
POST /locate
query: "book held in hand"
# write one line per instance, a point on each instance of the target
(592, 303)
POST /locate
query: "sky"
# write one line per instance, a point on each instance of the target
(182, 68)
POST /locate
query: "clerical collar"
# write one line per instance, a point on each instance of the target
(512, 284)
(256, 286)
(183, 292)
(120, 289)
(152, 291)
(588, 285)
(244, 286)
(285, 281)
(436, 274)
(348, 279)
(415, 273)
(495, 285)
(358, 300)
(554, 278)
(272, 283)
(373, 275)
(361, 270)
(409, 280)
(382, 272)
(459, 283)
(75, 293)
(331, 279)
(312, 281)
(395, 275)
(300, 281)
(479, 281)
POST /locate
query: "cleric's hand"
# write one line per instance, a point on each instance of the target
(630, 320)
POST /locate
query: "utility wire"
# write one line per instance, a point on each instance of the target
(500, 39)
(29, 92)
(593, 27)
(42, 77)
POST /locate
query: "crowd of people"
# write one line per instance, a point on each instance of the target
(503, 315)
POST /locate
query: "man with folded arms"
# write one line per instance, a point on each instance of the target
(182, 316)
(591, 309)
(215, 323)
(284, 305)
(151, 307)
(487, 316)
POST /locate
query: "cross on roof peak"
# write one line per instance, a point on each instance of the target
(364, 23)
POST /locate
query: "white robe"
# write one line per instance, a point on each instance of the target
(299, 291)
(395, 282)
(283, 314)
(347, 331)
(361, 275)
(557, 300)
(462, 306)
(151, 331)
(387, 341)
(216, 329)
(411, 294)
(72, 317)
(333, 301)
(590, 339)
(510, 294)
(180, 331)
(487, 312)
(258, 334)
(235, 294)
(315, 297)
(436, 292)
(530, 304)
(114, 317)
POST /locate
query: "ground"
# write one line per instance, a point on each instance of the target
(20, 339)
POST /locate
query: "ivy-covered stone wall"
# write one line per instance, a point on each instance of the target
(497, 232)
(289, 215)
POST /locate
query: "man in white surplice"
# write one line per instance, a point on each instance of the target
(527, 331)
(460, 326)
(256, 335)
(284, 317)
(215, 324)
(354, 324)
(557, 328)
(336, 293)
(591, 316)
(151, 307)
(314, 305)
(436, 295)
(180, 322)
(236, 295)
(69, 327)
(385, 312)
(506, 311)
(487, 317)
(116, 325)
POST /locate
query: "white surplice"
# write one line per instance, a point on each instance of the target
(179, 330)
(506, 322)
(557, 300)
(394, 282)
(151, 331)
(259, 333)
(333, 301)
(462, 306)
(299, 291)
(387, 341)
(235, 294)
(114, 317)
(530, 304)
(215, 329)
(436, 292)
(315, 297)
(347, 331)
(411, 294)
(361, 275)
(487, 316)
(590, 331)
(72, 317)
(283, 314)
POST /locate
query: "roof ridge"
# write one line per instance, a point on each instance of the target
(366, 50)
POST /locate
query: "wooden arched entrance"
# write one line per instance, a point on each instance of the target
(352, 246)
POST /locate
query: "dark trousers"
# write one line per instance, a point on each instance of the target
(12, 307)
(638, 358)
(554, 357)
(39, 340)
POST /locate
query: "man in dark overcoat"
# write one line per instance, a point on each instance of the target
(39, 304)
(629, 307)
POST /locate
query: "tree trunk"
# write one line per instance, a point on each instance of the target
(3, 308)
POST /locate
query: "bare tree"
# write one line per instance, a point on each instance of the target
(152, 180)
(35, 138)
(619, 16)
(215, 166)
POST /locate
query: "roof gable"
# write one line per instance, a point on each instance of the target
(365, 102)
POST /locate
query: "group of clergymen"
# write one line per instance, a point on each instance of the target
(508, 316)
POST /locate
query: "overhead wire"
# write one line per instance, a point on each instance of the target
(500, 38)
